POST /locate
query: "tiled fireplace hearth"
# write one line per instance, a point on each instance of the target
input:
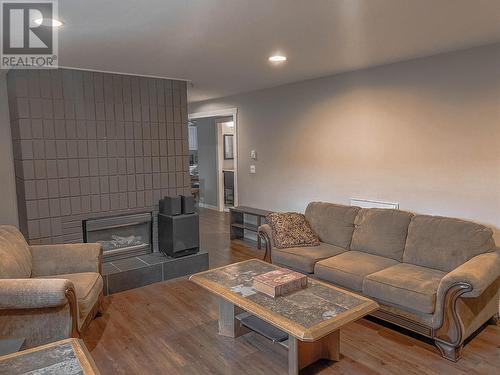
(90, 145)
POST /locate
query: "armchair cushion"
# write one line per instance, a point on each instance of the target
(15, 256)
(32, 293)
(406, 285)
(50, 260)
(88, 287)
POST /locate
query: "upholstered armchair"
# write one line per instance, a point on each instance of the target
(47, 292)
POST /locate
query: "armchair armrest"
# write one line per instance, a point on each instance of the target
(34, 293)
(49, 260)
(479, 272)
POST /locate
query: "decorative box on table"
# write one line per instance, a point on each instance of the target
(279, 282)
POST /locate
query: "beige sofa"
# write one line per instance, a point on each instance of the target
(436, 276)
(47, 292)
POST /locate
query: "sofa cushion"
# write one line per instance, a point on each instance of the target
(15, 254)
(405, 285)
(88, 286)
(333, 223)
(303, 259)
(291, 229)
(381, 232)
(350, 268)
(445, 243)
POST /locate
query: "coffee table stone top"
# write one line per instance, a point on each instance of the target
(307, 314)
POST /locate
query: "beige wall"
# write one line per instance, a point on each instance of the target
(8, 201)
(424, 133)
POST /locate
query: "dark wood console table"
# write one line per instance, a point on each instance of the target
(238, 224)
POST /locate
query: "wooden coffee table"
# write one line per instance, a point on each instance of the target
(312, 317)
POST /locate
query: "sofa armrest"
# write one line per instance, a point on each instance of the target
(264, 232)
(479, 272)
(49, 260)
(266, 228)
(34, 293)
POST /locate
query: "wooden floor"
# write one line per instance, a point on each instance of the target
(171, 328)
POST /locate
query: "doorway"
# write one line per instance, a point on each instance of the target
(213, 153)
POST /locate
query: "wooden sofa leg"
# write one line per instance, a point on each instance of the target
(448, 351)
(449, 337)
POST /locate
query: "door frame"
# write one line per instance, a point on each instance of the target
(228, 112)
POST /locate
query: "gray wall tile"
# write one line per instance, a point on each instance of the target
(85, 185)
(30, 189)
(50, 149)
(65, 206)
(54, 207)
(42, 189)
(113, 184)
(63, 187)
(53, 187)
(44, 227)
(40, 169)
(85, 204)
(62, 168)
(43, 208)
(36, 128)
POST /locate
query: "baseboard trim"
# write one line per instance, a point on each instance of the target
(209, 206)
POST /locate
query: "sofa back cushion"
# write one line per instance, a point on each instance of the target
(445, 243)
(333, 223)
(382, 232)
(15, 254)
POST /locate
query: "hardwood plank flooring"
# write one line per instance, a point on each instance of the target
(171, 328)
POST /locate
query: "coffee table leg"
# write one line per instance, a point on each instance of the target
(228, 325)
(302, 354)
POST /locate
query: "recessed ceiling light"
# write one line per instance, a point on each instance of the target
(52, 22)
(277, 58)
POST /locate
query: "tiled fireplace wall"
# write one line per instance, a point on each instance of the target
(90, 144)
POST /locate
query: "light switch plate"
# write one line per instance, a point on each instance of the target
(252, 169)
(253, 154)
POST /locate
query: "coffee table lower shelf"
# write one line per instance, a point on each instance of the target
(262, 327)
(234, 322)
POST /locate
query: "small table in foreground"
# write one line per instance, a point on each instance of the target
(69, 356)
(11, 345)
(312, 317)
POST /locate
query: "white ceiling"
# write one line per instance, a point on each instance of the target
(222, 45)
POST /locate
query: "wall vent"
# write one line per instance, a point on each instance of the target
(367, 203)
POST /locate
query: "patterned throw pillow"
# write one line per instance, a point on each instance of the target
(291, 229)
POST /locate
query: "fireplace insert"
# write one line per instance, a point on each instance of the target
(120, 236)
